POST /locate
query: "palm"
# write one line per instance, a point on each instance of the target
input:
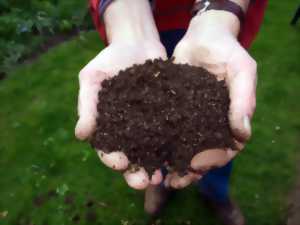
(224, 57)
(107, 64)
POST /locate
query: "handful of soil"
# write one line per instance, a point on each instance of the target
(161, 113)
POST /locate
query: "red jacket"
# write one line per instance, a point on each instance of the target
(176, 14)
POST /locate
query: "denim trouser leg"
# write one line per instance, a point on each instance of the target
(215, 184)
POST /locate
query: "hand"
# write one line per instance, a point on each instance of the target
(106, 64)
(211, 42)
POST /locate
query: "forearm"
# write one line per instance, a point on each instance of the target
(220, 20)
(130, 20)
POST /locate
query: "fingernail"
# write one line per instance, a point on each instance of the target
(247, 125)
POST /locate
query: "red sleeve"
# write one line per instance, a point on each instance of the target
(250, 28)
(94, 9)
(252, 23)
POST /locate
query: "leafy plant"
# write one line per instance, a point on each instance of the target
(11, 54)
(25, 25)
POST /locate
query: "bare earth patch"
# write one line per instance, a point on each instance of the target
(294, 204)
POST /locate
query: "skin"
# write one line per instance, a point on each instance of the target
(131, 41)
(210, 42)
(223, 56)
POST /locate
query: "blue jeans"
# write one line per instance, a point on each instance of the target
(215, 184)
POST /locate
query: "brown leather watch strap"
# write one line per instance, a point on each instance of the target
(225, 5)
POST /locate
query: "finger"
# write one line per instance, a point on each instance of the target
(211, 158)
(167, 180)
(182, 53)
(231, 154)
(197, 176)
(179, 182)
(114, 160)
(156, 178)
(138, 179)
(90, 84)
(241, 81)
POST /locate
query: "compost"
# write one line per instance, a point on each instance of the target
(161, 113)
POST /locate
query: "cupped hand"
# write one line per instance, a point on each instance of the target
(218, 50)
(108, 63)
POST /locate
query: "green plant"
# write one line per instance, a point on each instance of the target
(25, 25)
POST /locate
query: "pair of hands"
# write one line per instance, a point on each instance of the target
(211, 47)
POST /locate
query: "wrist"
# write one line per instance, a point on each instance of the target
(130, 21)
(218, 22)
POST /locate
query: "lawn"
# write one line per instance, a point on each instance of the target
(48, 177)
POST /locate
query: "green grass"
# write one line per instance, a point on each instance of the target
(38, 151)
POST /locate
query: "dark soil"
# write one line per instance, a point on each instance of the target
(161, 113)
(69, 199)
(293, 215)
(52, 193)
(90, 203)
(40, 200)
(91, 216)
(76, 218)
(2, 75)
(50, 42)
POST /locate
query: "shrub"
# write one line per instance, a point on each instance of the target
(26, 24)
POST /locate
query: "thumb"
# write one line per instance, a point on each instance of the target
(90, 84)
(241, 81)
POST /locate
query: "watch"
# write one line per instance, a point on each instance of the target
(225, 5)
